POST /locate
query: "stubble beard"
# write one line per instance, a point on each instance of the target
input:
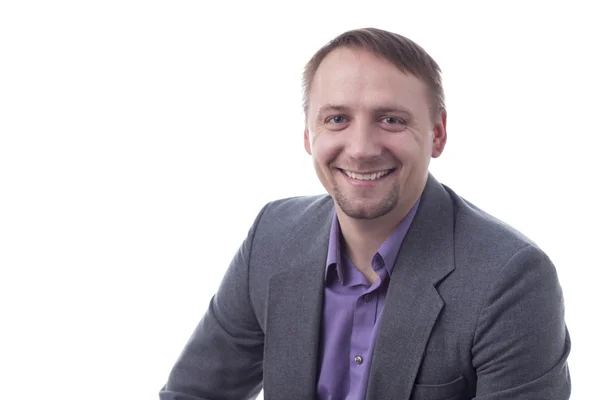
(372, 210)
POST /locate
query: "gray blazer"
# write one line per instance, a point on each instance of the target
(474, 310)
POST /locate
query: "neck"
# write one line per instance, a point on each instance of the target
(363, 237)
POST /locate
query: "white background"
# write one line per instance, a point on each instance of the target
(138, 140)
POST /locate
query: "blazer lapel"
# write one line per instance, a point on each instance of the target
(294, 308)
(413, 303)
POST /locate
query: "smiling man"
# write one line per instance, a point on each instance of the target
(391, 286)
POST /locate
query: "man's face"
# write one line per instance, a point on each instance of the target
(371, 133)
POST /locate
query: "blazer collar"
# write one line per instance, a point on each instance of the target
(294, 308)
(413, 302)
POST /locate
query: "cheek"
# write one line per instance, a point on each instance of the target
(325, 150)
(406, 151)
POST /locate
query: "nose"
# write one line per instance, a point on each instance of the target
(363, 141)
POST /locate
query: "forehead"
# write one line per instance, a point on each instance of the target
(358, 79)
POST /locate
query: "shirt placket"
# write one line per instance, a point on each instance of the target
(365, 314)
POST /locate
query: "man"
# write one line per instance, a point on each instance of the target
(391, 286)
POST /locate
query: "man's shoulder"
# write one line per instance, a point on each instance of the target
(286, 214)
(292, 210)
(479, 231)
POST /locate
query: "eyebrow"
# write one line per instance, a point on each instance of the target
(379, 110)
(331, 107)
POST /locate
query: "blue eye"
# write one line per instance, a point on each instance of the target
(337, 119)
(394, 121)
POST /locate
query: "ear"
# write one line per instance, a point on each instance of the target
(439, 135)
(307, 141)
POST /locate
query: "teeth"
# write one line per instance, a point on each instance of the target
(367, 177)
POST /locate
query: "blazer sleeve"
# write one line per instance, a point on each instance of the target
(521, 343)
(223, 358)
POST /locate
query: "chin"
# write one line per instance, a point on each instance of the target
(358, 209)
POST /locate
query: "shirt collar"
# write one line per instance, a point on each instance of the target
(387, 252)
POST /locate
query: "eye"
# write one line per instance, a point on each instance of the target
(394, 121)
(336, 119)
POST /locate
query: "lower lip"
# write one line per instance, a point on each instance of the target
(365, 183)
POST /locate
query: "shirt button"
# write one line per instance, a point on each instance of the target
(367, 297)
(358, 360)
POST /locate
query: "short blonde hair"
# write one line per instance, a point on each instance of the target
(405, 54)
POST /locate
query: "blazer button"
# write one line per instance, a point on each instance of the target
(358, 360)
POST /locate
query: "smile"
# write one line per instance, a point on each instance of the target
(368, 176)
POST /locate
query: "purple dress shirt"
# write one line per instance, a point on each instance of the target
(351, 311)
